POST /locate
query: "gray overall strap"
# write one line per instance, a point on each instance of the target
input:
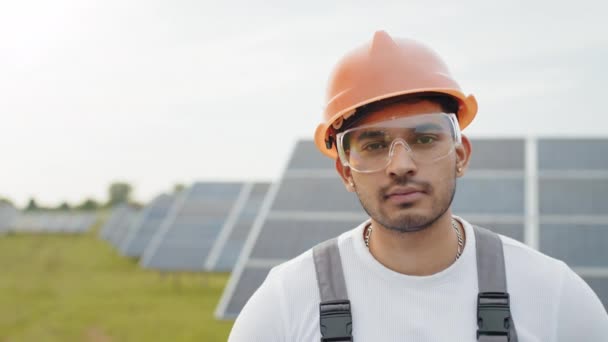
(494, 320)
(336, 323)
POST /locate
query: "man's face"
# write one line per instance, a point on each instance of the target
(407, 195)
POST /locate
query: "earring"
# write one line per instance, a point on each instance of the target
(459, 169)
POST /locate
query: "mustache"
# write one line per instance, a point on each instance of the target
(406, 181)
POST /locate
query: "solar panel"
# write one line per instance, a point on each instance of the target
(117, 224)
(573, 154)
(27, 222)
(573, 196)
(193, 225)
(8, 213)
(498, 154)
(53, 222)
(578, 244)
(81, 222)
(573, 206)
(144, 226)
(496, 171)
(57, 223)
(522, 188)
(224, 254)
(17, 222)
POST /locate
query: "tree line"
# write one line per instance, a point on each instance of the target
(118, 193)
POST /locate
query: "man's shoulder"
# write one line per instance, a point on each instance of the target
(285, 305)
(524, 261)
(517, 248)
(303, 264)
(535, 278)
(519, 256)
(295, 267)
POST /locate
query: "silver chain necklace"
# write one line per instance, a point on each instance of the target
(368, 234)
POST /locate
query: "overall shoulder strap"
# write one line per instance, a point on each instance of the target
(494, 320)
(335, 315)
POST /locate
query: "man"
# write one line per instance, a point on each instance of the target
(413, 271)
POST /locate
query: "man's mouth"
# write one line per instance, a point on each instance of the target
(404, 194)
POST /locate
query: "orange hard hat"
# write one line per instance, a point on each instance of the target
(384, 68)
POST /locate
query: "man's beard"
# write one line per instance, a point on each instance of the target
(410, 222)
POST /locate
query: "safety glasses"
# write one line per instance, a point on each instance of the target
(426, 137)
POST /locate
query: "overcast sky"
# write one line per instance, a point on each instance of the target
(160, 92)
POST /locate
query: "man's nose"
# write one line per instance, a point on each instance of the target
(401, 159)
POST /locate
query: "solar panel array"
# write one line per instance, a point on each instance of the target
(193, 225)
(53, 222)
(117, 224)
(551, 194)
(572, 223)
(230, 242)
(139, 233)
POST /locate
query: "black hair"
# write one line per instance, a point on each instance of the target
(449, 105)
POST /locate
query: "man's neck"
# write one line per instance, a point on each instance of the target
(420, 253)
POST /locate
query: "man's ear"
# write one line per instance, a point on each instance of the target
(346, 175)
(463, 156)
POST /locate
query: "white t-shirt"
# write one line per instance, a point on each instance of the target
(549, 302)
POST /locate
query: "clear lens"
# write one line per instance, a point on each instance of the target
(427, 137)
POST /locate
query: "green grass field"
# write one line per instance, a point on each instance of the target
(77, 288)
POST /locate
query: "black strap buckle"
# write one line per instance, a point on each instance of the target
(493, 314)
(336, 321)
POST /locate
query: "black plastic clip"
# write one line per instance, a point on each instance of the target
(329, 142)
(493, 314)
(336, 321)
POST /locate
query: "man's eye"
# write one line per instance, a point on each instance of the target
(375, 146)
(425, 139)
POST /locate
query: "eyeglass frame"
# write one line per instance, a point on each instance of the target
(456, 133)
